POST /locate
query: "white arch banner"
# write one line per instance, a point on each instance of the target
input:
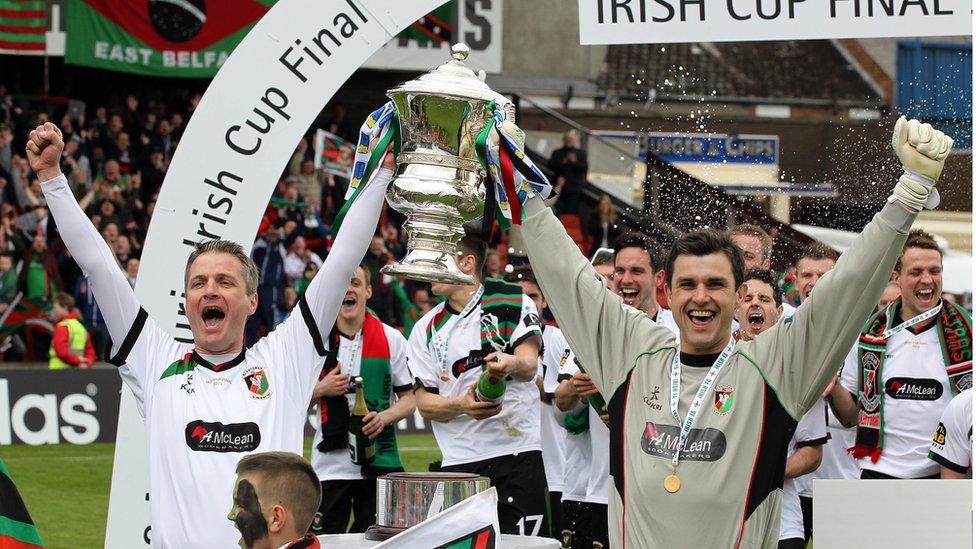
(235, 147)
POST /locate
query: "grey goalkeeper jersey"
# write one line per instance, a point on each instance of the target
(732, 464)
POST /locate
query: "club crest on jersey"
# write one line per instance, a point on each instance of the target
(724, 400)
(256, 381)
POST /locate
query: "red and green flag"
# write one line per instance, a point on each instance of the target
(17, 530)
(183, 38)
(22, 27)
(24, 312)
(436, 27)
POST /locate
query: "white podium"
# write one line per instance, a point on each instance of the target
(893, 514)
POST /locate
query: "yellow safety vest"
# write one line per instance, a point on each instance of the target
(77, 338)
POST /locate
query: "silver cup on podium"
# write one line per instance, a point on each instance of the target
(440, 184)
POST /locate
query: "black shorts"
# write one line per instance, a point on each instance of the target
(339, 497)
(522, 496)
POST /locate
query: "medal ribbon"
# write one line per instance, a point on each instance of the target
(696, 404)
(441, 341)
(913, 321)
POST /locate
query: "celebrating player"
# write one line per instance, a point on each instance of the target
(691, 474)
(376, 352)
(489, 324)
(207, 405)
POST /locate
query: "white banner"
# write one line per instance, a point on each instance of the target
(477, 23)
(471, 523)
(660, 21)
(236, 145)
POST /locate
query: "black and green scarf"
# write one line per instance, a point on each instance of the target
(956, 339)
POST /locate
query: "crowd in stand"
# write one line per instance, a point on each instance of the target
(116, 157)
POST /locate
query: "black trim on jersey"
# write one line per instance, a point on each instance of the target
(218, 367)
(130, 339)
(812, 442)
(417, 384)
(616, 408)
(774, 439)
(563, 377)
(522, 339)
(699, 361)
(941, 460)
(550, 397)
(401, 388)
(313, 330)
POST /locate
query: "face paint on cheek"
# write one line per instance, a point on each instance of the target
(249, 520)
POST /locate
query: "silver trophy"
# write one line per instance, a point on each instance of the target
(440, 184)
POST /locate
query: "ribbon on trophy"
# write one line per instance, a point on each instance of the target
(513, 173)
(383, 124)
(501, 152)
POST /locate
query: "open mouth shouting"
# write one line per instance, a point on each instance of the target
(349, 302)
(701, 318)
(212, 316)
(631, 296)
(756, 319)
(926, 297)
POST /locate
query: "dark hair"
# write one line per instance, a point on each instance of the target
(65, 300)
(287, 478)
(522, 273)
(633, 239)
(707, 242)
(748, 229)
(473, 245)
(918, 239)
(767, 276)
(818, 251)
(369, 273)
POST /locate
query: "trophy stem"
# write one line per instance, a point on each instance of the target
(431, 245)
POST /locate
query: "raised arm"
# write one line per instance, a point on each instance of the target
(325, 292)
(605, 335)
(108, 284)
(800, 357)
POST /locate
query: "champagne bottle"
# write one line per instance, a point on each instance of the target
(596, 399)
(360, 446)
(489, 389)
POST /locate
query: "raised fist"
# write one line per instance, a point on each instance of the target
(922, 151)
(44, 146)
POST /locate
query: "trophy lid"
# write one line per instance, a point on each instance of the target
(450, 79)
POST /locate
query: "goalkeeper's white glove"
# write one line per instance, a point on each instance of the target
(922, 151)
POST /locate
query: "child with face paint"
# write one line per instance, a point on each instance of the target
(276, 498)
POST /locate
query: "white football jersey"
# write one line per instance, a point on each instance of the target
(952, 444)
(811, 430)
(201, 419)
(337, 464)
(916, 391)
(465, 439)
(555, 353)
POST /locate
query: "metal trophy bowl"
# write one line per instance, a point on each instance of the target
(440, 183)
(407, 499)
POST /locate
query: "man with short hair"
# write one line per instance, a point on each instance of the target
(755, 243)
(486, 326)
(756, 311)
(275, 500)
(814, 262)
(207, 404)
(570, 166)
(636, 270)
(696, 473)
(912, 357)
(376, 352)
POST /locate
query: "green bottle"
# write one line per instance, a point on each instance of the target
(360, 446)
(489, 389)
(596, 399)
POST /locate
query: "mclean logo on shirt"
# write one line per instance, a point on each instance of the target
(702, 444)
(910, 388)
(474, 360)
(202, 436)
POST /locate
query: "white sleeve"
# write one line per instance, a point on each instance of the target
(420, 358)
(848, 376)
(108, 283)
(812, 427)
(528, 324)
(321, 301)
(952, 443)
(402, 381)
(557, 354)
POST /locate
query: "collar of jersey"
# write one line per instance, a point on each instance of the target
(218, 367)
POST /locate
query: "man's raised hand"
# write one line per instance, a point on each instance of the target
(922, 151)
(44, 146)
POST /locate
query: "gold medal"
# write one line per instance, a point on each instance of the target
(672, 483)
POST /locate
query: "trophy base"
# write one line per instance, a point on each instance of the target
(429, 266)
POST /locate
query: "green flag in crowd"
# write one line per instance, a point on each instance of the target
(436, 27)
(190, 38)
(22, 26)
(17, 530)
